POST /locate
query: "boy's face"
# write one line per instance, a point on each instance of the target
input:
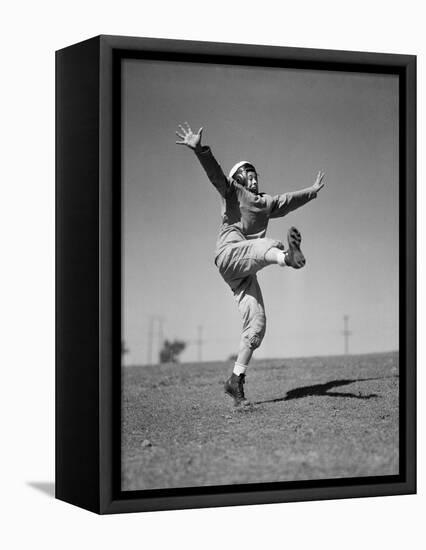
(252, 183)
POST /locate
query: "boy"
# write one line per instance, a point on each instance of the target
(242, 249)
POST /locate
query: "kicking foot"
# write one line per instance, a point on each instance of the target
(294, 256)
(234, 387)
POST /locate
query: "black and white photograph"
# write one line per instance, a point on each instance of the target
(213, 248)
(260, 280)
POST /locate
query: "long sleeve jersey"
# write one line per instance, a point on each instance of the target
(245, 215)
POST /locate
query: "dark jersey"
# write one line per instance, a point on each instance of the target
(245, 215)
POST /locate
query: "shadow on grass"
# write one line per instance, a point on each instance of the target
(324, 390)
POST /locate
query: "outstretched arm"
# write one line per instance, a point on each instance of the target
(208, 162)
(189, 138)
(287, 202)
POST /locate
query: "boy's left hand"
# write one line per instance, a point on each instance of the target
(319, 183)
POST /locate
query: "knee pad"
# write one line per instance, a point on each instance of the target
(257, 332)
(255, 341)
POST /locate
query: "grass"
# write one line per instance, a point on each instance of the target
(311, 418)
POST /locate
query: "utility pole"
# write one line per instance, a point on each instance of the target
(346, 333)
(199, 343)
(153, 320)
(160, 336)
(150, 338)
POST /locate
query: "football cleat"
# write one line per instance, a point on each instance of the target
(294, 256)
(234, 387)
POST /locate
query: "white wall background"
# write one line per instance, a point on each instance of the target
(30, 32)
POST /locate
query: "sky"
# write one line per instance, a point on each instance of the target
(290, 124)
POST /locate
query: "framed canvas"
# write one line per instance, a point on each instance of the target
(171, 391)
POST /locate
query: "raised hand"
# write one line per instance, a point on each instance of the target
(189, 138)
(319, 184)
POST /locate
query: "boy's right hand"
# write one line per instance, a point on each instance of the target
(188, 138)
(319, 183)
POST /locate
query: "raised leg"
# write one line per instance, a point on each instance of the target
(275, 256)
(293, 256)
(246, 258)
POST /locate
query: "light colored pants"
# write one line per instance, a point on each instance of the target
(238, 264)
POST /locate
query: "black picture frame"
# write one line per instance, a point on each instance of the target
(88, 271)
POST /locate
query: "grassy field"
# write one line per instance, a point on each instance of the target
(311, 418)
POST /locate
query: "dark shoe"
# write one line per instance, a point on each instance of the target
(234, 388)
(294, 256)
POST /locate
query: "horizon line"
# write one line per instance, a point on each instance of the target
(262, 359)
